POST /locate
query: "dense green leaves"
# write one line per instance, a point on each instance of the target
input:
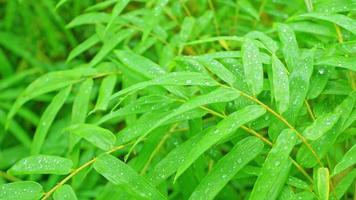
(42, 164)
(205, 99)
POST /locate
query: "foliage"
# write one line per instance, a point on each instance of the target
(159, 99)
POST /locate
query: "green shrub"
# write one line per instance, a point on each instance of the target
(159, 99)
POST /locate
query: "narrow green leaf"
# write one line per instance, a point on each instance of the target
(268, 42)
(219, 69)
(118, 8)
(144, 104)
(84, 46)
(226, 168)
(139, 64)
(65, 192)
(339, 61)
(106, 88)
(149, 121)
(275, 169)
(101, 5)
(24, 190)
(47, 118)
(320, 126)
(96, 135)
(171, 79)
(252, 66)
(81, 102)
(42, 164)
(120, 174)
(110, 43)
(342, 186)
(280, 84)
(347, 160)
(290, 47)
(341, 20)
(169, 164)
(224, 129)
(89, 18)
(323, 183)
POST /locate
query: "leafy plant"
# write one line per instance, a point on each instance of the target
(159, 99)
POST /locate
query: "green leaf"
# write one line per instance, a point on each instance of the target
(348, 160)
(65, 192)
(81, 101)
(171, 79)
(84, 46)
(224, 129)
(268, 42)
(219, 69)
(24, 190)
(226, 168)
(290, 47)
(118, 8)
(341, 20)
(110, 42)
(120, 174)
(339, 61)
(144, 104)
(171, 162)
(275, 169)
(322, 183)
(320, 126)
(280, 84)
(96, 135)
(106, 88)
(42, 164)
(47, 119)
(139, 64)
(343, 185)
(252, 66)
(89, 18)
